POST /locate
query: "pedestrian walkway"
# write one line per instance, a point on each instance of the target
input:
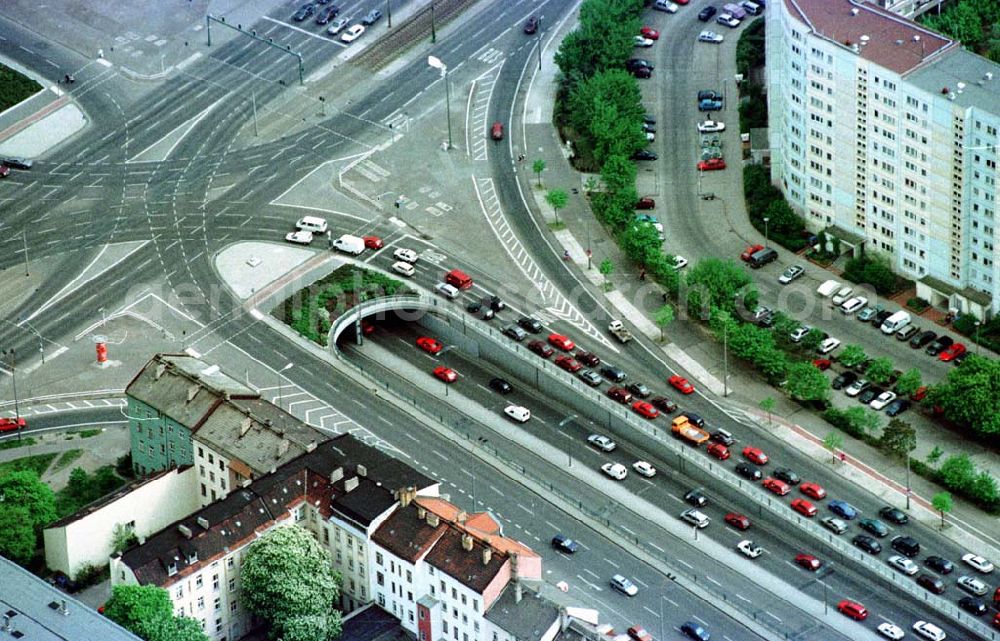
(804, 429)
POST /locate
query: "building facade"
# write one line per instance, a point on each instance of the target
(885, 134)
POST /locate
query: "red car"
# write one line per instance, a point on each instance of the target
(755, 455)
(373, 242)
(822, 364)
(750, 251)
(952, 352)
(562, 342)
(852, 609)
(649, 32)
(620, 394)
(496, 132)
(813, 490)
(664, 404)
(738, 521)
(567, 363)
(588, 359)
(919, 394)
(540, 348)
(367, 327)
(719, 451)
(11, 424)
(778, 487)
(804, 507)
(446, 374)
(429, 345)
(712, 164)
(4, 171)
(681, 384)
(645, 203)
(808, 561)
(638, 633)
(683, 2)
(644, 409)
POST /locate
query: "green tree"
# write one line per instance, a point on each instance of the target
(641, 243)
(663, 317)
(538, 167)
(807, 383)
(783, 326)
(771, 362)
(879, 370)
(935, 455)
(852, 355)
(958, 472)
(968, 395)
(34, 504)
(177, 629)
(909, 382)
(144, 610)
(767, 404)
(618, 173)
(984, 489)
(288, 581)
(811, 341)
(833, 441)
(898, 438)
(606, 268)
(943, 504)
(557, 199)
(123, 537)
(19, 537)
(962, 21)
(713, 282)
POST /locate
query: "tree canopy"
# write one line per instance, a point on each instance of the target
(147, 612)
(970, 395)
(288, 581)
(807, 383)
(714, 282)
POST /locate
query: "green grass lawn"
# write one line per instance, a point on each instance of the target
(38, 463)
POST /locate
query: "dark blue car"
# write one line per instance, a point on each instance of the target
(709, 105)
(695, 631)
(565, 544)
(843, 509)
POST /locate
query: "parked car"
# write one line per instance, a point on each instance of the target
(791, 273)
(706, 14)
(710, 37)
(894, 515)
(842, 379)
(923, 339)
(939, 345)
(531, 26)
(868, 313)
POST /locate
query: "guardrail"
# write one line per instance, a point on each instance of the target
(588, 402)
(69, 396)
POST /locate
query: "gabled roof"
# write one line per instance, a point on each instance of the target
(406, 535)
(883, 37)
(184, 388)
(448, 555)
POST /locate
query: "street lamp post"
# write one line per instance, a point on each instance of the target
(41, 348)
(725, 360)
(13, 378)
(479, 441)
(434, 37)
(539, 32)
(978, 323)
(908, 492)
(569, 457)
(766, 220)
(435, 62)
(281, 372)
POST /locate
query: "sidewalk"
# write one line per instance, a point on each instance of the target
(702, 357)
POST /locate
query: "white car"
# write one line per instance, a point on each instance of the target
(711, 127)
(300, 237)
(337, 26)
(617, 471)
(790, 274)
(903, 564)
(623, 585)
(929, 631)
(749, 549)
(650, 136)
(973, 585)
(852, 305)
(890, 631)
(857, 387)
(842, 295)
(643, 42)
(800, 333)
(669, 7)
(710, 36)
(728, 20)
(883, 399)
(353, 33)
(829, 345)
(518, 413)
(405, 255)
(644, 468)
(977, 562)
(601, 442)
(680, 262)
(403, 268)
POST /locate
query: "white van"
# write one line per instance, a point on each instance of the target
(751, 7)
(403, 268)
(350, 244)
(896, 322)
(827, 289)
(446, 290)
(665, 5)
(312, 223)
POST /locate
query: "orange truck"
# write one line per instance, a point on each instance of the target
(684, 429)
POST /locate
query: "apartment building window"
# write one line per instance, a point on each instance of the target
(380, 578)
(218, 625)
(454, 593)
(233, 605)
(232, 585)
(381, 599)
(215, 582)
(218, 604)
(409, 577)
(378, 558)
(201, 603)
(198, 582)
(179, 592)
(409, 596)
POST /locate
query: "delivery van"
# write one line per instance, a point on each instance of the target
(350, 244)
(734, 10)
(458, 279)
(763, 257)
(896, 322)
(313, 224)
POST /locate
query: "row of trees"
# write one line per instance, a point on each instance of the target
(975, 22)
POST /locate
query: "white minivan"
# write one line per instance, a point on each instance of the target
(312, 223)
(896, 322)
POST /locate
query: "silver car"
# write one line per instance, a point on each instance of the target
(337, 26)
(601, 442)
(790, 274)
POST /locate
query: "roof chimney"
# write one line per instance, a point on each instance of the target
(62, 608)
(864, 40)
(989, 75)
(192, 392)
(467, 542)
(487, 555)
(462, 516)
(283, 447)
(160, 369)
(245, 424)
(421, 513)
(854, 11)
(432, 519)
(361, 470)
(203, 522)
(961, 86)
(336, 475)
(351, 483)
(184, 530)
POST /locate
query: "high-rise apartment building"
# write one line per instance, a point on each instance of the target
(885, 134)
